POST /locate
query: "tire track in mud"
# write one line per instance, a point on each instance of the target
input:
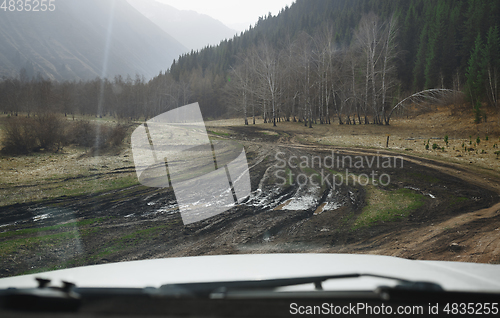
(470, 236)
(492, 179)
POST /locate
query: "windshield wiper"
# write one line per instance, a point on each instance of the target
(44, 297)
(266, 287)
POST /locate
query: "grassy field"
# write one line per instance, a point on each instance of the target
(387, 206)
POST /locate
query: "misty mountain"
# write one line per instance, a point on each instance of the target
(83, 40)
(195, 31)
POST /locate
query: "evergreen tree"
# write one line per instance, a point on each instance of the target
(434, 47)
(475, 77)
(418, 70)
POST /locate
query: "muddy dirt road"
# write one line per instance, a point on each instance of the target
(305, 198)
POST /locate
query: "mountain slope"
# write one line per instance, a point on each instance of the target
(83, 40)
(190, 28)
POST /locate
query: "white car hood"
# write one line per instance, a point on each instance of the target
(452, 276)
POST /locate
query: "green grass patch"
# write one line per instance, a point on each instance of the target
(387, 206)
(27, 244)
(123, 243)
(454, 200)
(310, 171)
(218, 133)
(102, 253)
(32, 231)
(139, 236)
(286, 176)
(334, 172)
(270, 133)
(97, 185)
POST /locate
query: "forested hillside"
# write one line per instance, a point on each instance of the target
(348, 60)
(435, 37)
(431, 43)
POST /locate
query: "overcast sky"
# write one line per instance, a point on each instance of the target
(236, 14)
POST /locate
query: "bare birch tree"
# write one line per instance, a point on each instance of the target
(267, 73)
(389, 54)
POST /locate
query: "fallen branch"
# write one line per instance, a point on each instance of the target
(434, 95)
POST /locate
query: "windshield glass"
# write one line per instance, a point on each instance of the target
(134, 130)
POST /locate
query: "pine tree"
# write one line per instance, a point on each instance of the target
(418, 70)
(408, 42)
(475, 77)
(449, 62)
(472, 25)
(434, 47)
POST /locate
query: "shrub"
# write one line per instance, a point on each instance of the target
(19, 137)
(434, 146)
(97, 136)
(25, 135)
(478, 140)
(117, 135)
(446, 140)
(82, 134)
(51, 132)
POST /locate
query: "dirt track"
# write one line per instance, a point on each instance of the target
(457, 218)
(473, 235)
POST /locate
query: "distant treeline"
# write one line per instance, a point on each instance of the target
(350, 59)
(120, 98)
